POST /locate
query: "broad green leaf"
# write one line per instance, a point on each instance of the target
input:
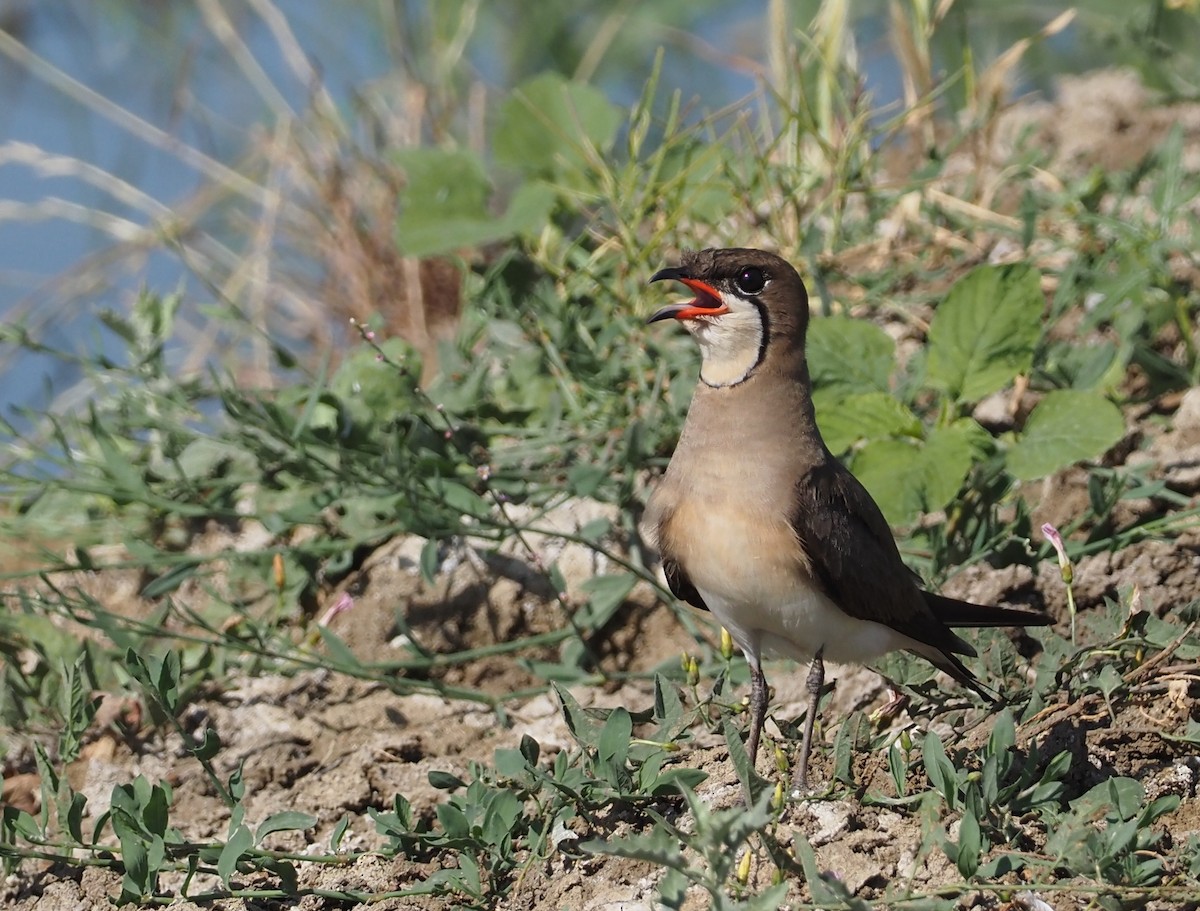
(545, 125)
(584, 729)
(445, 204)
(371, 391)
(138, 880)
(845, 421)
(947, 459)
(1066, 427)
(890, 469)
(453, 820)
(843, 755)
(907, 478)
(528, 210)
(501, 815)
(668, 708)
(510, 763)
(615, 738)
(984, 333)
(849, 355)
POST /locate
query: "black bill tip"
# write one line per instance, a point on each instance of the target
(672, 272)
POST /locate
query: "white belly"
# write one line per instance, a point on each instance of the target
(798, 627)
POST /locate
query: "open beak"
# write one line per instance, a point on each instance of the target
(707, 301)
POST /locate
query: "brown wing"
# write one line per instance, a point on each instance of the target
(855, 557)
(681, 586)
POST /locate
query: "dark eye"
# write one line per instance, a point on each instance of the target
(750, 280)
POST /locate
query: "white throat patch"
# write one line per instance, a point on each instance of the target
(730, 344)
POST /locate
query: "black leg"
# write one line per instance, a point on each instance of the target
(816, 681)
(758, 708)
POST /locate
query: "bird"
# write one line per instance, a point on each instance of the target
(756, 521)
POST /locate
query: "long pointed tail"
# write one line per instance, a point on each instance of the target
(953, 612)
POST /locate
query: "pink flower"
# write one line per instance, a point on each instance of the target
(343, 603)
(1064, 563)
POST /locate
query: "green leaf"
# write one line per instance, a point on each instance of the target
(460, 498)
(530, 749)
(237, 789)
(585, 731)
(441, 186)
(658, 846)
(286, 821)
(849, 356)
(939, 769)
(947, 459)
(752, 783)
(371, 391)
(453, 820)
(339, 832)
(209, 746)
(615, 738)
(898, 768)
(969, 844)
(544, 127)
(907, 478)
(169, 581)
(239, 843)
(889, 469)
(1066, 427)
(584, 480)
(606, 594)
(668, 709)
(445, 781)
(847, 420)
(76, 706)
(500, 817)
(137, 880)
(510, 763)
(984, 333)
(445, 204)
(843, 753)
(339, 652)
(429, 560)
(826, 890)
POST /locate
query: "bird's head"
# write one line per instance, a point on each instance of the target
(748, 305)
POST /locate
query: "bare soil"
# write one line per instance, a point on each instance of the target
(327, 745)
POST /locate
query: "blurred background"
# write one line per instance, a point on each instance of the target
(203, 146)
